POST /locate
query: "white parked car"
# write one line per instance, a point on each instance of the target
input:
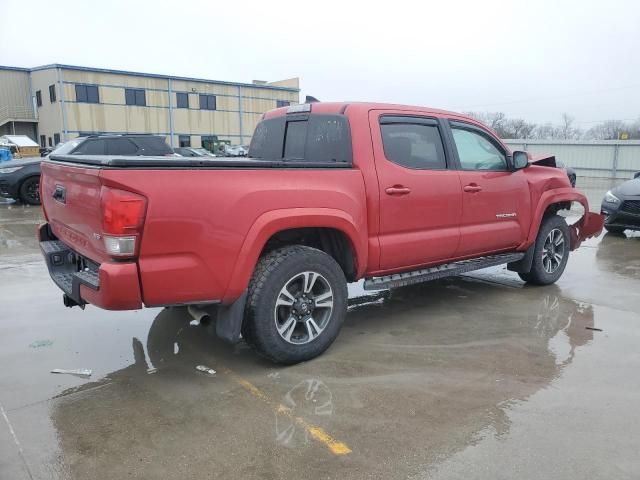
(236, 150)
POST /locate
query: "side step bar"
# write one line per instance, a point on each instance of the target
(441, 271)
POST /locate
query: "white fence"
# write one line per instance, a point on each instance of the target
(603, 158)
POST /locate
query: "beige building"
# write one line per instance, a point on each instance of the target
(54, 103)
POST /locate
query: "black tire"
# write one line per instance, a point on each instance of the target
(540, 273)
(30, 191)
(616, 230)
(276, 271)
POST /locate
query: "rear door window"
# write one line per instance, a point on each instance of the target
(413, 143)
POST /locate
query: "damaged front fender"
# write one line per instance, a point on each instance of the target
(590, 225)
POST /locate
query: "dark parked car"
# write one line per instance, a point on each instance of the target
(571, 173)
(20, 179)
(193, 152)
(621, 205)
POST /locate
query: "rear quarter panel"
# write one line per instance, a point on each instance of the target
(200, 241)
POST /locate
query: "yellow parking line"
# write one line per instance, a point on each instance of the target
(335, 446)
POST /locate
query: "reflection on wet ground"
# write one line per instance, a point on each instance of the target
(473, 377)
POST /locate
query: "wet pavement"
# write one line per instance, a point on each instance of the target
(472, 377)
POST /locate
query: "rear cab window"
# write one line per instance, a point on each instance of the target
(312, 138)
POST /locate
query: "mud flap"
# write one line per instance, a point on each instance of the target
(524, 264)
(229, 319)
(590, 225)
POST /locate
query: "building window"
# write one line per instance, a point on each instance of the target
(184, 141)
(209, 142)
(182, 100)
(282, 103)
(52, 93)
(39, 98)
(135, 96)
(56, 138)
(207, 102)
(43, 141)
(87, 94)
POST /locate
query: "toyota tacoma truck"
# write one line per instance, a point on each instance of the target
(330, 193)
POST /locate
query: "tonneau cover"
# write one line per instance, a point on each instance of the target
(109, 161)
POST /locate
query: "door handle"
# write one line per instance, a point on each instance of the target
(398, 190)
(472, 188)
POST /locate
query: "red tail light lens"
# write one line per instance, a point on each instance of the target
(122, 221)
(122, 212)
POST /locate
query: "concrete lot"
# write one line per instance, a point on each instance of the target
(473, 377)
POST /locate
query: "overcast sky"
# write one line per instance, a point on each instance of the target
(533, 59)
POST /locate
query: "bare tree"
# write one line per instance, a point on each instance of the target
(566, 131)
(609, 130)
(493, 120)
(518, 128)
(546, 132)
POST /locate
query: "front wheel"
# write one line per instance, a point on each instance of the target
(551, 252)
(30, 191)
(296, 304)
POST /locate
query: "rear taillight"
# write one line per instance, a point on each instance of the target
(122, 221)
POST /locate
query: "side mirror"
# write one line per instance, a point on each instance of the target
(520, 160)
(636, 175)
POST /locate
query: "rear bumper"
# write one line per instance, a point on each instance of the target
(112, 286)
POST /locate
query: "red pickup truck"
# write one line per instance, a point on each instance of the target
(330, 193)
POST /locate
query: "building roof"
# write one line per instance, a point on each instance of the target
(148, 75)
(18, 140)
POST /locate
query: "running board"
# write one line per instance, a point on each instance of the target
(441, 271)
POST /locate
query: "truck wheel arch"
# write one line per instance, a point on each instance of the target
(559, 199)
(274, 222)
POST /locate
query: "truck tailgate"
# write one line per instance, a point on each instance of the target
(71, 200)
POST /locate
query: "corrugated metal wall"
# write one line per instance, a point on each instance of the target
(15, 98)
(606, 158)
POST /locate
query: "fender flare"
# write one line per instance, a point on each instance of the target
(274, 221)
(589, 225)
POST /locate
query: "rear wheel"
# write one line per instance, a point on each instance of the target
(551, 252)
(296, 304)
(30, 191)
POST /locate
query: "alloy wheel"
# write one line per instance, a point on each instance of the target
(303, 307)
